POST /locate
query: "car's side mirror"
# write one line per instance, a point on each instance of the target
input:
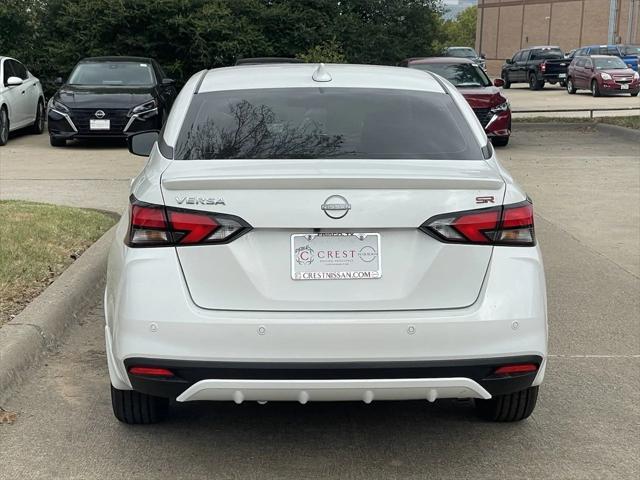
(508, 61)
(167, 82)
(498, 82)
(483, 56)
(58, 82)
(142, 143)
(14, 81)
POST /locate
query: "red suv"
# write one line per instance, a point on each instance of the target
(485, 98)
(602, 74)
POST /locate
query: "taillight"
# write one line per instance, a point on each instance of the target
(517, 225)
(155, 225)
(505, 225)
(543, 67)
(148, 226)
(190, 227)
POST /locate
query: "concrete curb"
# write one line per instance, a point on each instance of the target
(41, 325)
(628, 134)
(545, 126)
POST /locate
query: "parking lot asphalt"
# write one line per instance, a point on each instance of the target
(586, 190)
(92, 175)
(584, 180)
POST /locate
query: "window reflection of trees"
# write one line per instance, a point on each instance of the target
(253, 131)
(462, 74)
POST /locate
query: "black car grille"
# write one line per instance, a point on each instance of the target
(117, 117)
(484, 115)
(623, 78)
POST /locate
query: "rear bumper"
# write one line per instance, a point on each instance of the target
(554, 77)
(157, 323)
(320, 381)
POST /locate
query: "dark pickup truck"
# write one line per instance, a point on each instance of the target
(536, 66)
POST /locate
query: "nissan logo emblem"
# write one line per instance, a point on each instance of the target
(99, 114)
(336, 206)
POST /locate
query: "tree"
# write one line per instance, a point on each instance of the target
(328, 52)
(385, 32)
(185, 36)
(19, 26)
(461, 31)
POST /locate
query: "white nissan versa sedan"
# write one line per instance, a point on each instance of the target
(319, 233)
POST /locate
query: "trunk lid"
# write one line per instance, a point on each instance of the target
(279, 199)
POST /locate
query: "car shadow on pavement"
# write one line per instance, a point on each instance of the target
(22, 132)
(315, 414)
(98, 143)
(331, 440)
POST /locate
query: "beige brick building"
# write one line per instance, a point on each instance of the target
(505, 26)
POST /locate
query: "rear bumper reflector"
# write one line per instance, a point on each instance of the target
(516, 369)
(151, 371)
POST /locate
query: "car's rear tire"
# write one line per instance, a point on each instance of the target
(135, 408)
(4, 126)
(57, 141)
(500, 141)
(534, 83)
(512, 407)
(634, 94)
(571, 89)
(38, 124)
(595, 90)
(505, 78)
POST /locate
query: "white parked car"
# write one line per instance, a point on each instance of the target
(21, 99)
(311, 233)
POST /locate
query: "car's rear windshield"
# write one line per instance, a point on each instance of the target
(630, 50)
(327, 123)
(546, 54)
(462, 53)
(112, 73)
(462, 75)
(610, 63)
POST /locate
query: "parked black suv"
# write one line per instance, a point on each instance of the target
(110, 97)
(535, 66)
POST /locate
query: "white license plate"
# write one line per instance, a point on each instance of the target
(335, 256)
(95, 124)
(624, 86)
(562, 75)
